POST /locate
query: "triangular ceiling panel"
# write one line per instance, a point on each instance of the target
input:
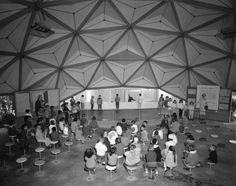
(8, 9)
(193, 16)
(5, 60)
(208, 34)
(12, 32)
(103, 75)
(174, 53)
(33, 72)
(143, 77)
(123, 70)
(216, 72)
(72, 15)
(163, 18)
(52, 54)
(79, 53)
(196, 79)
(127, 42)
(59, 31)
(11, 81)
(126, 56)
(152, 41)
(178, 85)
(66, 84)
(223, 3)
(133, 10)
(104, 16)
(164, 72)
(83, 72)
(198, 54)
(102, 41)
(48, 83)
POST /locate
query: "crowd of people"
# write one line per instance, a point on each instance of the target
(168, 106)
(130, 141)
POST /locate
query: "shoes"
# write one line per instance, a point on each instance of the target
(186, 169)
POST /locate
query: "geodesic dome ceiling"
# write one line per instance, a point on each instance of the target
(167, 44)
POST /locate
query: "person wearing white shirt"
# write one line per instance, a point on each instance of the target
(118, 129)
(140, 101)
(101, 150)
(112, 135)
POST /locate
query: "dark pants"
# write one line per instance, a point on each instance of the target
(92, 105)
(100, 107)
(117, 105)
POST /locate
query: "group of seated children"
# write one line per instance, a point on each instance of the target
(130, 142)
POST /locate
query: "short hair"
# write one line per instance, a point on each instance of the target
(27, 110)
(54, 129)
(118, 140)
(94, 118)
(123, 120)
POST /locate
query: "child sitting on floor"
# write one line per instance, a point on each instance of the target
(79, 134)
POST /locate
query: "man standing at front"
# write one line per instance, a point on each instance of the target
(117, 100)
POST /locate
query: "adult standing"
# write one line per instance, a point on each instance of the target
(203, 106)
(92, 102)
(161, 103)
(117, 101)
(140, 101)
(39, 104)
(99, 102)
(82, 102)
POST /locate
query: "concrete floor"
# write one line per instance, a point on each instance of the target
(68, 171)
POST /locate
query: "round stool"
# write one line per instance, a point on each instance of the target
(54, 144)
(68, 144)
(131, 170)
(55, 152)
(12, 138)
(39, 163)
(111, 169)
(94, 131)
(65, 137)
(210, 171)
(40, 150)
(40, 142)
(21, 161)
(9, 145)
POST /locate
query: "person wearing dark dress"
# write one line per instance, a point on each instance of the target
(39, 104)
(213, 158)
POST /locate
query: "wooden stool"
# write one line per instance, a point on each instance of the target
(131, 170)
(151, 166)
(12, 138)
(55, 152)
(111, 169)
(21, 161)
(68, 144)
(65, 137)
(54, 144)
(94, 131)
(210, 164)
(190, 167)
(39, 163)
(9, 145)
(40, 150)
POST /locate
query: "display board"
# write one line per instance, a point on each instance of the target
(224, 99)
(212, 95)
(51, 97)
(22, 100)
